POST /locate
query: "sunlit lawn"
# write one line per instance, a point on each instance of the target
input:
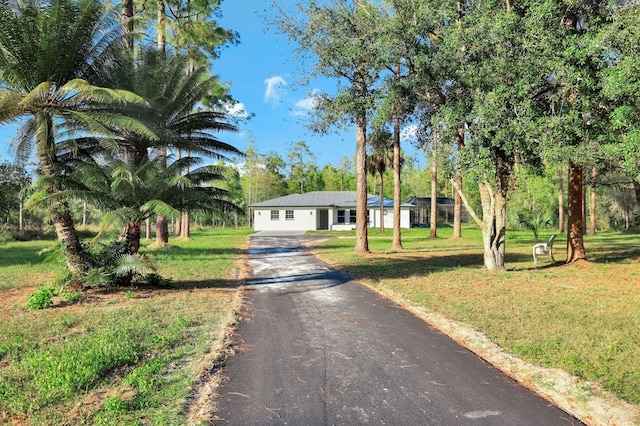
(125, 356)
(133, 355)
(582, 318)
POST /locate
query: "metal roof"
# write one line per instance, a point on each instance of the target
(346, 199)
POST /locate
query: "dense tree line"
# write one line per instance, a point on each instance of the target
(508, 84)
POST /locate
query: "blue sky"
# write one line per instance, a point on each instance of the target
(264, 78)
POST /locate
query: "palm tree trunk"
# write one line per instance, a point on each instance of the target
(59, 211)
(132, 236)
(66, 230)
(162, 226)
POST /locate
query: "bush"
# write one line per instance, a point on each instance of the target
(41, 299)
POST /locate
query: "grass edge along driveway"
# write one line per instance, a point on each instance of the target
(120, 356)
(569, 332)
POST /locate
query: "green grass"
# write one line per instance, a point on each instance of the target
(584, 319)
(122, 356)
(131, 355)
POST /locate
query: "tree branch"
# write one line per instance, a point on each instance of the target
(472, 212)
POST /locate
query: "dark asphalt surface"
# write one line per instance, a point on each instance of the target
(318, 349)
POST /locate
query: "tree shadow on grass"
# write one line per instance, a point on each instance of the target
(378, 267)
(20, 255)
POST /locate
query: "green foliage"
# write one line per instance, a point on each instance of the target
(14, 182)
(72, 296)
(157, 280)
(41, 299)
(535, 222)
(5, 235)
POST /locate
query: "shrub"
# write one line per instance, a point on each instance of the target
(41, 299)
(157, 280)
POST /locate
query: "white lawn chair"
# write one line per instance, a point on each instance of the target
(544, 248)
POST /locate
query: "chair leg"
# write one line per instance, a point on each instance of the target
(551, 254)
(535, 259)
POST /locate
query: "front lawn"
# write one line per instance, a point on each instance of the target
(582, 318)
(120, 356)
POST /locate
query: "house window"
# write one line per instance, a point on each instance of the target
(288, 215)
(275, 215)
(346, 216)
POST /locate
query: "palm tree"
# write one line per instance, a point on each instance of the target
(176, 113)
(131, 195)
(377, 162)
(49, 54)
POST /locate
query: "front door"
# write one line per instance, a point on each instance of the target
(323, 219)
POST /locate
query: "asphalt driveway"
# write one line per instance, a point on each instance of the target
(316, 348)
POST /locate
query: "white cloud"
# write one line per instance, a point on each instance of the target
(274, 87)
(305, 105)
(410, 132)
(237, 110)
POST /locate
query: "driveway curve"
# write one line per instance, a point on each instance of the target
(316, 348)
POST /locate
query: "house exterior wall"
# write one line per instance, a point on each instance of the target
(307, 219)
(304, 219)
(374, 218)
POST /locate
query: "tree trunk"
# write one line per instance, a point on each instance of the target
(66, 230)
(457, 200)
(162, 226)
(21, 214)
(132, 236)
(162, 26)
(162, 231)
(494, 225)
(84, 214)
(177, 226)
(434, 187)
(382, 203)
(362, 240)
(59, 211)
(592, 203)
(636, 190)
(584, 207)
(185, 233)
(397, 188)
(147, 228)
(560, 200)
(126, 19)
(575, 242)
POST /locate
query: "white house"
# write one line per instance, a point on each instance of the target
(322, 210)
